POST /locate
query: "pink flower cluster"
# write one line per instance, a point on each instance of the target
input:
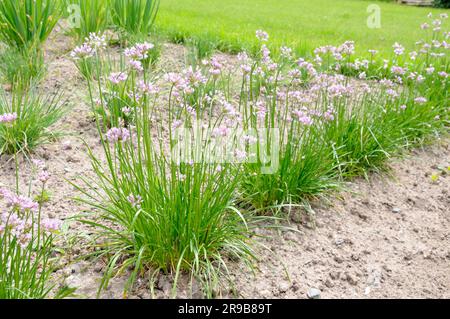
(43, 177)
(19, 228)
(136, 65)
(23, 229)
(303, 117)
(96, 41)
(20, 221)
(193, 78)
(51, 225)
(262, 36)
(185, 82)
(115, 135)
(347, 48)
(17, 202)
(92, 45)
(118, 77)
(82, 52)
(420, 100)
(245, 62)
(215, 65)
(147, 88)
(8, 117)
(139, 52)
(398, 49)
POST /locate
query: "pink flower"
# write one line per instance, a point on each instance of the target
(430, 70)
(221, 131)
(8, 117)
(329, 115)
(193, 78)
(398, 49)
(216, 66)
(139, 51)
(90, 47)
(136, 65)
(261, 110)
(337, 90)
(173, 78)
(177, 124)
(3, 193)
(116, 78)
(398, 70)
(392, 93)
(262, 36)
(424, 26)
(420, 100)
(241, 156)
(115, 135)
(127, 110)
(303, 117)
(82, 52)
(43, 177)
(96, 41)
(18, 202)
(219, 169)
(286, 52)
(347, 48)
(420, 79)
(245, 62)
(51, 225)
(148, 88)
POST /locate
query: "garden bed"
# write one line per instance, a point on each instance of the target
(383, 237)
(317, 176)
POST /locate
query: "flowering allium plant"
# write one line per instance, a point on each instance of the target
(25, 118)
(86, 55)
(149, 188)
(142, 55)
(8, 117)
(177, 205)
(26, 245)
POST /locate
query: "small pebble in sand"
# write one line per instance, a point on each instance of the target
(66, 145)
(284, 287)
(313, 293)
(396, 210)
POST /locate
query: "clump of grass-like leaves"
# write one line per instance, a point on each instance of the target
(27, 245)
(156, 212)
(27, 119)
(134, 19)
(24, 26)
(87, 16)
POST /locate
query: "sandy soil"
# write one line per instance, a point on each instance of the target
(384, 238)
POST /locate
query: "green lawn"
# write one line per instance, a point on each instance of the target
(303, 24)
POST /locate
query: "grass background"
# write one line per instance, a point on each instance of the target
(302, 24)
